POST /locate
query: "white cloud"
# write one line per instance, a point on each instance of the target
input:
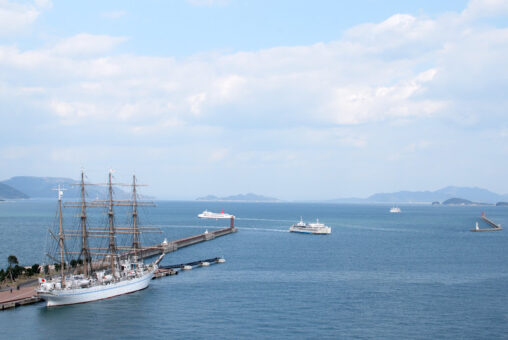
(485, 8)
(70, 112)
(16, 16)
(403, 68)
(350, 105)
(85, 45)
(196, 102)
(228, 87)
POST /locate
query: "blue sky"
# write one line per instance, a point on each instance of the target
(292, 99)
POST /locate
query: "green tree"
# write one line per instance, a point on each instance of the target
(12, 260)
(17, 271)
(36, 268)
(46, 269)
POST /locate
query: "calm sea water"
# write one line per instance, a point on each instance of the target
(416, 275)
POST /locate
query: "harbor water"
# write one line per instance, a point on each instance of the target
(419, 274)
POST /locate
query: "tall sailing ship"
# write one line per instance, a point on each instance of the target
(89, 262)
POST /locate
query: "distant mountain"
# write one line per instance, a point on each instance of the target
(8, 192)
(43, 187)
(250, 197)
(502, 204)
(469, 193)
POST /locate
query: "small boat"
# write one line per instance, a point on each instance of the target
(205, 264)
(209, 214)
(395, 210)
(221, 260)
(187, 267)
(310, 228)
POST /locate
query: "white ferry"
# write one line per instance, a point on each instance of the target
(310, 228)
(209, 214)
(395, 210)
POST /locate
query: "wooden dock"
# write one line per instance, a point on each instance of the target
(162, 272)
(175, 268)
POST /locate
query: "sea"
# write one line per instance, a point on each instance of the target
(420, 274)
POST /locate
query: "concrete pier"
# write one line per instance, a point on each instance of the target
(185, 242)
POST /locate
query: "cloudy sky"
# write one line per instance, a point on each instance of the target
(292, 99)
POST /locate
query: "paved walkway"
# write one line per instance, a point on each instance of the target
(22, 293)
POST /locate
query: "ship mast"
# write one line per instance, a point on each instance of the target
(61, 235)
(112, 246)
(84, 233)
(135, 241)
(113, 250)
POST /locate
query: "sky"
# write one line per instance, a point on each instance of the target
(299, 100)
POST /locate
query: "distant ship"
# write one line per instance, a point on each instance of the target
(310, 228)
(209, 214)
(395, 210)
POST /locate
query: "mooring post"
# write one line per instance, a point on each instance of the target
(232, 223)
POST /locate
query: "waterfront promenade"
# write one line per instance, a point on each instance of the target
(14, 297)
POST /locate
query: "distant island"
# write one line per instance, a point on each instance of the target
(250, 197)
(502, 204)
(472, 194)
(461, 201)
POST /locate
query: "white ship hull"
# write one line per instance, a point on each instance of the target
(323, 231)
(212, 215)
(311, 228)
(60, 297)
